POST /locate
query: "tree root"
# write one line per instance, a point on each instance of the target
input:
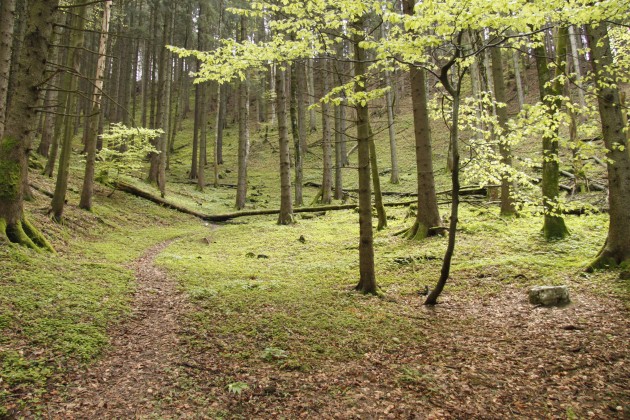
(418, 232)
(25, 234)
(607, 259)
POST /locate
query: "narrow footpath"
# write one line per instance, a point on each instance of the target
(138, 372)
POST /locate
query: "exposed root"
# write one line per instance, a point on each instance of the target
(607, 259)
(25, 234)
(418, 231)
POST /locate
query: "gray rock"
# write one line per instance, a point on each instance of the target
(549, 295)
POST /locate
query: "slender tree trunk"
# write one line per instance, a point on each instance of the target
(19, 30)
(428, 215)
(195, 144)
(296, 132)
(7, 19)
(339, 156)
(326, 139)
(286, 204)
(218, 138)
(575, 57)
(389, 103)
(301, 88)
(48, 125)
(70, 84)
(310, 80)
(243, 131)
(616, 138)
(367, 276)
(376, 181)
(507, 201)
(450, 248)
(518, 79)
(553, 226)
(90, 144)
(21, 120)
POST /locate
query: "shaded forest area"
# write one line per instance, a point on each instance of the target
(180, 185)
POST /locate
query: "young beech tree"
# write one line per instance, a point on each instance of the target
(21, 122)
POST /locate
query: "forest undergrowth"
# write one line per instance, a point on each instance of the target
(275, 328)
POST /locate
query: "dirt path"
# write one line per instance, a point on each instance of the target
(141, 366)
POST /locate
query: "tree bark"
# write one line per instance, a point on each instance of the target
(7, 20)
(286, 205)
(367, 276)
(507, 201)
(297, 131)
(90, 144)
(243, 131)
(327, 176)
(70, 84)
(376, 181)
(21, 121)
(553, 226)
(616, 250)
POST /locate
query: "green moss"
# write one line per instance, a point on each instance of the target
(36, 236)
(17, 235)
(10, 171)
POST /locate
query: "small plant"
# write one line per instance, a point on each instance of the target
(237, 387)
(273, 353)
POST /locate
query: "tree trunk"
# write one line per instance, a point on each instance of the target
(243, 131)
(326, 139)
(376, 181)
(367, 276)
(7, 20)
(70, 84)
(310, 80)
(450, 248)
(617, 247)
(90, 144)
(21, 120)
(286, 204)
(195, 143)
(518, 79)
(507, 201)
(296, 131)
(553, 226)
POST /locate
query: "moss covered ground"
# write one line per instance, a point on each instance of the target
(272, 312)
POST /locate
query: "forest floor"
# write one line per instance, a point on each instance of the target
(149, 313)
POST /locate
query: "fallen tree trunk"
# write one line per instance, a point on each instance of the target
(133, 190)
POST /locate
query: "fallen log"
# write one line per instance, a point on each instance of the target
(133, 190)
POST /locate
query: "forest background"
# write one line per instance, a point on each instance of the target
(487, 140)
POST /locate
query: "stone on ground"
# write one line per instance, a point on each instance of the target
(549, 295)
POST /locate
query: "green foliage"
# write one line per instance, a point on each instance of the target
(237, 387)
(125, 149)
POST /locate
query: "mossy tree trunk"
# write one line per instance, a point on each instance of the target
(286, 204)
(553, 225)
(507, 201)
(614, 128)
(21, 121)
(367, 276)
